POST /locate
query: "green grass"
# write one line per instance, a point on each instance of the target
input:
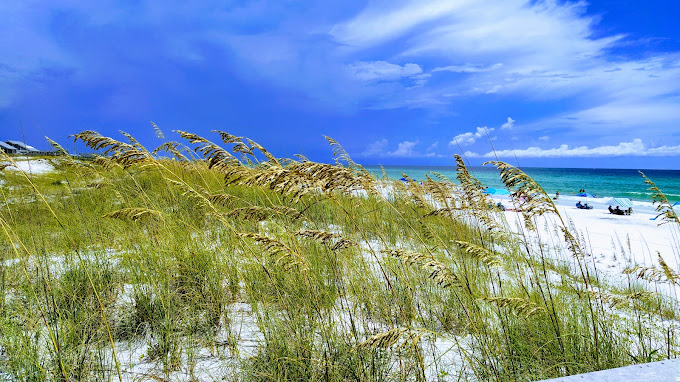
(132, 266)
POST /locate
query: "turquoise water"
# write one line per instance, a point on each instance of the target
(602, 183)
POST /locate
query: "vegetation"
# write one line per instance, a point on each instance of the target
(213, 261)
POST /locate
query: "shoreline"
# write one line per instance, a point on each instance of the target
(603, 183)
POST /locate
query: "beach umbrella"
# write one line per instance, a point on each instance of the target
(621, 202)
(586, 195)
(496, 191)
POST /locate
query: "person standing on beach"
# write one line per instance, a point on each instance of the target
(557, 195)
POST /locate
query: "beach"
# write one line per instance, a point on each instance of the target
(613, 243)
(227, 272)
(608, 235)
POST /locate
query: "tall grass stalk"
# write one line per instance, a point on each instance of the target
(206, 261)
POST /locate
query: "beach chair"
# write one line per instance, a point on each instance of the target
(616, 211)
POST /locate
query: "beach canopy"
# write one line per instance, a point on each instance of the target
(621, 202)
(585, 195)
(496, 191)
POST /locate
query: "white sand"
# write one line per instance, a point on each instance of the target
(637, 233)
(613, 242)
(31, 166)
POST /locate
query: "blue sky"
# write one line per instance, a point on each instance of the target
(538, 83)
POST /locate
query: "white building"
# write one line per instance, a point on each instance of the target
(21, 147)
(7, 149)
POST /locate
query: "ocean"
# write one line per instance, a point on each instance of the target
(604, 184)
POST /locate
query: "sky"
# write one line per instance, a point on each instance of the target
(411, 82)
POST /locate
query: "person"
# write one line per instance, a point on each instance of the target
(581, 190)
(500, 206)
(579, 205)
(611, 210)
(618, 210)
(557, 195)
(586, 206)
(629, 211)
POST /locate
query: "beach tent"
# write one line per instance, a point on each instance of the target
(585, 195)
(496, 191)
(621, 202)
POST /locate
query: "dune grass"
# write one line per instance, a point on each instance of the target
(206, 261)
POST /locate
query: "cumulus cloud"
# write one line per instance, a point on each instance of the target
(633, 148)
(509, 124)
(382, 70)
(463, 139)
(404, 149)
(469, 138)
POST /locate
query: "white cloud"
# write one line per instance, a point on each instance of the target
(421, 79)
(382, 21)
(493, 90)
(664, 151)
(430, 151)
(475, 31)
(633, 148)
(469, 138)
(467, 68)
(629, 112)
(376, 148)
(382, 70)
(658, 117)
(544, 138)
(537, 51)
(509, 124)
(404, 149)
(463, 139)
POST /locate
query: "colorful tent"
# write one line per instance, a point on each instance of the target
(621, 202)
